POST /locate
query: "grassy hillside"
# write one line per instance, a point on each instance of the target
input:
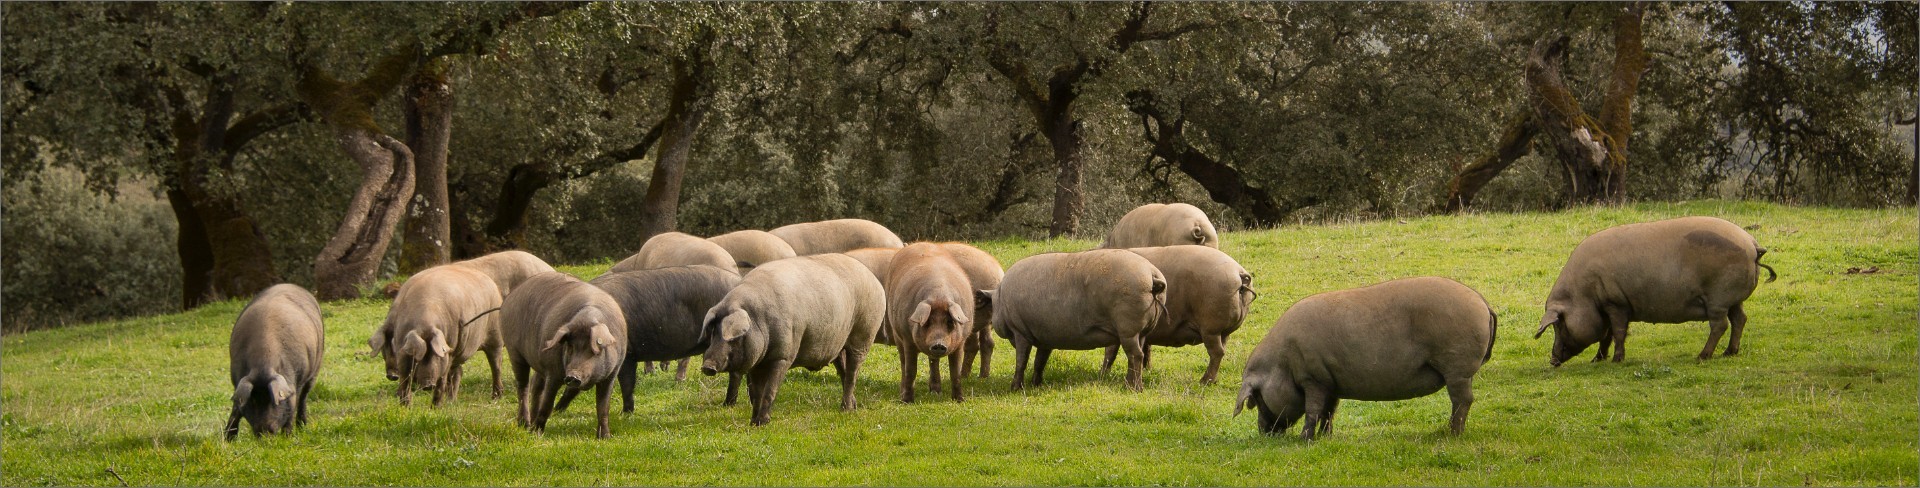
(1824, 392)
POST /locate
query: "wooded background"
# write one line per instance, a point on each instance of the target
(162, 155)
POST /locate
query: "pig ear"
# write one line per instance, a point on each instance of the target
(735, 325)
(959, 316)
(281, 388)
(439, 344)
(602, 338)
(413, 345)
(241, 392)
(379, 340)
(983, 298)
(1552, 317)
(558, 337)
(920, 314)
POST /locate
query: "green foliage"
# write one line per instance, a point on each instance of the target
(1822, 394)
(72, 255)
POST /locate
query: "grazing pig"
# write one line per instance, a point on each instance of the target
(753, 247)
(561, 331)
(930, 303)
(803, 312)
(1397, 340)
(984, 272)
(275, 353)
(508, 268)
(663, 308)
(1157, 224)
(441, 317)
(834, 236)
(676, 249)
(1083, 300)
(1665, 272)
(1208, 295)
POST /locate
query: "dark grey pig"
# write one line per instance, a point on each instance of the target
(802, 312)
(561, 331)
(1402, 339)
(275, 354)
(663, 308)
(1665, 272)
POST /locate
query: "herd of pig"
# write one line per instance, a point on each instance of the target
(755, 304)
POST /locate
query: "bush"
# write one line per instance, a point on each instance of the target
(72, 255)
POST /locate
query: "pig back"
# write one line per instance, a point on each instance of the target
(508, 268)
(1156, 224)
(875, 259)
(1207, 293)
(812, 307)
(663, 307)
(676, 249)
(1080, 300)
(834, 236)
(1664, 271)
(279, 330)
(1381, 342)
(754, 247)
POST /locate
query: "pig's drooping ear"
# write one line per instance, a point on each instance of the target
(735, 325)
(413, 345)
(920, 314)
(439, 344)
(379, 340)
(558, 337)
(241, 392)
(1552, 317)
(983, 298)
(602, 338)
(959, 316)
(281, 388)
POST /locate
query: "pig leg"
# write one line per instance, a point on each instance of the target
(848, 366)
(985, 347)
(762, 385)
(452, 385)
(566, 398)
(1216, 349)
(1146, 354)
(493, 363)
(1718, 319)
(1326, 420)
(1461, 391)
(233, 425)
(1106, 366)
(520, 377)
(933, 374)
(552, 385)
(681, 375)
(603, 393)
(1738, 316)
(1606, 342)
(405, 389)
(649, 367)
(1040, 364)
(733, 389)
(953, 365)
(1020, 351)
(909, 370)
(627, 378)
(300, 415)
(1617, 330)
(1316, 410)
(1136, 362)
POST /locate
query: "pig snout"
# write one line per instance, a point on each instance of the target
(392, 377)
(574, 381)
(938, 349)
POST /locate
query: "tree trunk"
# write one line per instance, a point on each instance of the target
(429, 126)
(196, 254)
(1593, 152)
(223, 253)
(1515, 142)
(1224, 184)
(660, 208)
(350, 259)
(1069, 156)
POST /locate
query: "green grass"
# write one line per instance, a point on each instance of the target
(1824, 392)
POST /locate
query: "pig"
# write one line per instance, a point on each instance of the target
(508, 268)
(561, 331)
(275, 354)
(1157, 224)
(1664, 272)
(875, 259)
(752, 248)
(1083, 300)
(440, 319)
(836, 236)
(930, 304)
(803, 312)
(676, 249)
(663, 308)
(1397, 340)
(1208, 296)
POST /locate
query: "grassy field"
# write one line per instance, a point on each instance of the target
(1824, 393)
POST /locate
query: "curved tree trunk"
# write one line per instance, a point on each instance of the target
(1224, 184)
(429, 125)
(353, 255)
(1515, 142)
(1593, 152)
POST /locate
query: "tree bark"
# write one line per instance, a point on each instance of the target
(1224, 184)
(353, 255)
(427, 237)
(1593, 152)
(196, 254)
(1515, 142)
(660, 208)
(1069, 156)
